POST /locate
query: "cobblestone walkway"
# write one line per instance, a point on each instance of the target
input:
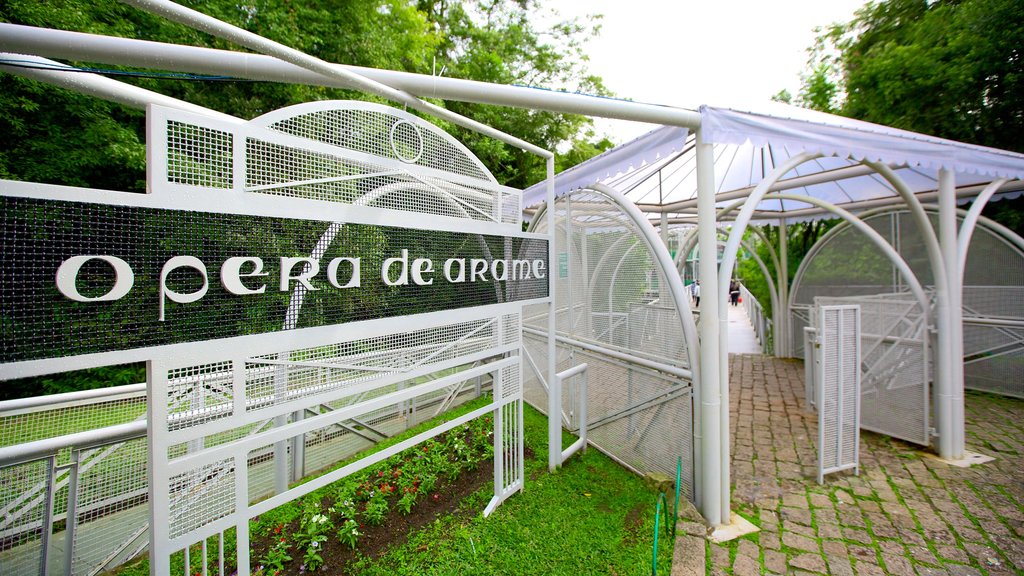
(904, 514)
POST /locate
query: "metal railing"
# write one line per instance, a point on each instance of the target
(77, 503)
(761, 322)
(578, 374)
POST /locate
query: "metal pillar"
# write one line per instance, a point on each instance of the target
(712, 439)
(554, 424)
(949, 366)
(781, 336)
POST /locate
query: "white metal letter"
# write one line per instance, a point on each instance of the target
(403, 274)
(304, 277)
(421, 266)
(332, 273)
(67, 276)
(172, 265)
(231, 275)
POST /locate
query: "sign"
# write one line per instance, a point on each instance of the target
(84, 278)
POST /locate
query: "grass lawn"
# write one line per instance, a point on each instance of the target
(590, 517)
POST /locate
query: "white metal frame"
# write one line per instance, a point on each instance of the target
(834, 409)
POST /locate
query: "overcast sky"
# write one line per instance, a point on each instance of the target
(687, 53)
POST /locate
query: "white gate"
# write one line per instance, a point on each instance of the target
(895, 370)
(837, 388)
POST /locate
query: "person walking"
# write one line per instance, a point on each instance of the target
(734, 292)
(696, 293)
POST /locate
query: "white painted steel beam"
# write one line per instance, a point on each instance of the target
(129, 52)
(101, 87)
(971, 220)
(716, 488)
(199, 21)
(949, 367)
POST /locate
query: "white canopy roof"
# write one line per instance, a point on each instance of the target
(748, 145)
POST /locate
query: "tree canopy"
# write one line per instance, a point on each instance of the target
(58, 136)
(950, 68)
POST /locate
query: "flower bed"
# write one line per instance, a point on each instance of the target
(365, 512)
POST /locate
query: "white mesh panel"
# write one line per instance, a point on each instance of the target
(845, 264)
(838, 426)
(612, 295)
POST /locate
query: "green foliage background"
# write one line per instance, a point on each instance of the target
(57, 136)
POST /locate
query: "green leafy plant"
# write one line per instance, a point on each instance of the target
(311, 536)
(277, 556)
(349, 533)
(406, 502)
(376, 510)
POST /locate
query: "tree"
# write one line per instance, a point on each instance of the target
(950, 68)
(62, 137)
(498, 41)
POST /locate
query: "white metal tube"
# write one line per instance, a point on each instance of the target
(141, 53)
(199, 21)
(971, 220)
(711, 388)
(949, 357)
(129, 390)
(681, 373)
(28, 451)
(100, 87)
(887, 250)
(554, 427)
(780, 318)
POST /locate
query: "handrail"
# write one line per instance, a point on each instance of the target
(127, 391)
(556, 456)
(39, 449)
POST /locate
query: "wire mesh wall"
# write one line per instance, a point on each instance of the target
(846, 264)
(214, 407)
(615, 313)
(894, 363)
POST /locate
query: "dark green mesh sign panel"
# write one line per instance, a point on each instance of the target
(38, 321)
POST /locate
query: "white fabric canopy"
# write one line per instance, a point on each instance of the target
(748, 145)
(801, 129)
(656, 144)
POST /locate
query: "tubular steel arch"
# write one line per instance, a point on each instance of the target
(631, 323)
(992, 277)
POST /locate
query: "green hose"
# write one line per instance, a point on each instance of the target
(670, 525)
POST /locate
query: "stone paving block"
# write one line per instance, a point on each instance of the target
(799, 542)
(810, 562)
(769, 540)
(820, 500)
(923, 570)
(868, 569)
(799, 528)
(794, 515)
(962, 570)
(954, 553)
(897, 564)
(774, 561)
(857, 535)
(923, 555)
(746, 566)
(839, 565)
(826, 530)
